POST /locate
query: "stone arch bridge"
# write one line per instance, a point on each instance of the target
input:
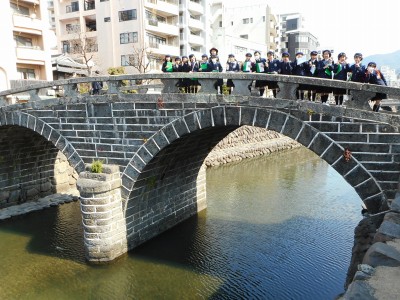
(156, 144)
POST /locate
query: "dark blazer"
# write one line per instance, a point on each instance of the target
(341, 71)
(323, 72)
(357, 73)
(273, 66)
(164, 67)
(232, 66)
(286, 68)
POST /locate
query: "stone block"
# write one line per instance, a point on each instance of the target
(380, 254)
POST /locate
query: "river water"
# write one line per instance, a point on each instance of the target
(276, 227)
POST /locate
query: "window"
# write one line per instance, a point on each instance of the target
(220, 23)
(104, 0)
(18, 9)
(301, 39)
(65, 47)
(151, 16)
(263, 18)
(127, 15)
(128, 37)
(107, 19)
(232, 23)
(245, 36)
(25, 73)
(247, 20)
(21, 41)
(154, 40)
(240, 50)
(73, 7)
(128, 60)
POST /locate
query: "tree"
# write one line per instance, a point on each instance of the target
(82, 46)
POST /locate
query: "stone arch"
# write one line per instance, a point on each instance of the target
(33, 123)
(30, 162)
(141, 174)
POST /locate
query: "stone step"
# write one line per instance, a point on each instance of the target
(338, 127)
(386, 176)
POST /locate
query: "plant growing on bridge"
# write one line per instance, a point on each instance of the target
(97, 166)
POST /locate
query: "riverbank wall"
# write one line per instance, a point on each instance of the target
(248, 142)
(374, 270)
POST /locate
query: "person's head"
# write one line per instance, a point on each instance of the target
(177, 60)
(167, 58)
(326, 54)
(371, 67)
(313, 55)
(231, 57)
(257, 55)
(299, 54)
(270, 55)
(192, 57)
(342, 57)
(213, 51)
(184, 59)
(248, 56)
(358, 57)
(204, 57)
(285, 56)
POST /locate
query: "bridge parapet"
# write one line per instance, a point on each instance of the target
(360, 92)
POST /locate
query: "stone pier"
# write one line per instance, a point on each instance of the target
(102, 215)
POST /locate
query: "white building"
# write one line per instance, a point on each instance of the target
(242, 28)
(390, 76)
(118, 33)
(194, 24)
(25, 32)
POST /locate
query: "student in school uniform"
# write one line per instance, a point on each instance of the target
(375, 76)
(299, 69)
(259, 67)
(341, 69)
(357, 69)
(325, 70)
(185, 68)
(194, 68)
(310, 69)
(247, 66)
(232, 65)
(286, 67)
(167, 64)
(203, 64)
(273, 66)
(213, 52)
(215, 66)
(176, 68)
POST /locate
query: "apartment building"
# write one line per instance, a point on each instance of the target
(193, 23)
(241, 28)
(25, 31)
(292, 36)
(134, 34)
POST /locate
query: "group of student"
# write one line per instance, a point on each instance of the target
(324, 67)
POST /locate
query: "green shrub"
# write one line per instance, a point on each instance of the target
(97, 166)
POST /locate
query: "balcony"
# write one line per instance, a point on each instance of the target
(166, 8)
(197, 24)
(31, 54)
(27, 24)
(156, 26)
(196, 39)
(163, 49)
(195, 8)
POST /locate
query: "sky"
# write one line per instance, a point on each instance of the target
(350, 26)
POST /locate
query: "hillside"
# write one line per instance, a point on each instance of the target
(389, 59)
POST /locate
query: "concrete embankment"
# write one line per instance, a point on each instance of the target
(248, 142)
(374, 271)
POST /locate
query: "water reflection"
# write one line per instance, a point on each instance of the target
(279, 227)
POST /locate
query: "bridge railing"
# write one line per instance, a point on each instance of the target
(288, 85)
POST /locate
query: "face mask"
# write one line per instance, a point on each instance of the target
(371, 69)
(257, 57)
